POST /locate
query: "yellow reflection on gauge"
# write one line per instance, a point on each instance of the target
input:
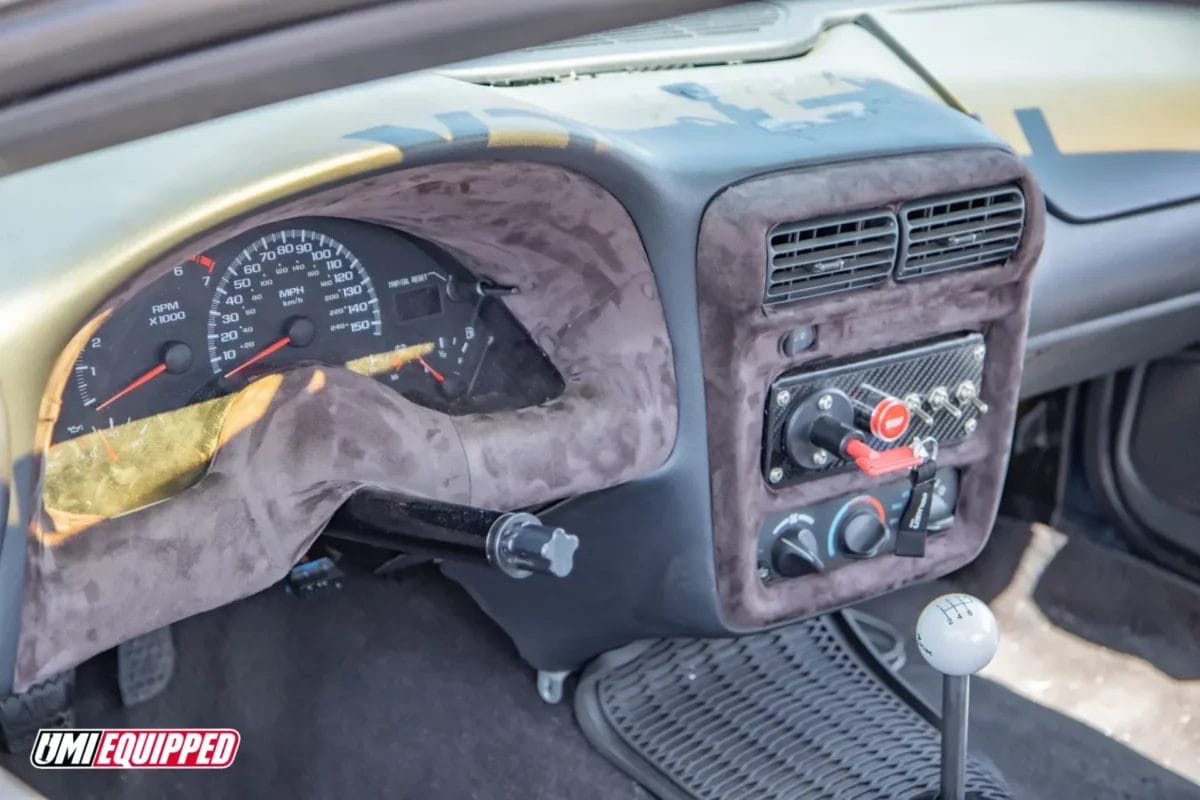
(112, 470)
(109, 472)
(378, 364)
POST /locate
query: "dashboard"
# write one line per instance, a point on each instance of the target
(150, 388)
(637, 301)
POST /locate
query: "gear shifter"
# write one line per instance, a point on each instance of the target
(957, 635)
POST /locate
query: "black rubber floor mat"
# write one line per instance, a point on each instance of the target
(791, 713)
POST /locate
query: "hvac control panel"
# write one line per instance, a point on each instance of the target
(830, 534)
(884, 414)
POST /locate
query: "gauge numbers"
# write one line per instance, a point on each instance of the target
(293, 290)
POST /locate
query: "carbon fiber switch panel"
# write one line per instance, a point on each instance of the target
(939, 383)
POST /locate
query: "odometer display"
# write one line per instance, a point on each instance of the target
(291, 295)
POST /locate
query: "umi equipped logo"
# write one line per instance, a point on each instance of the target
(135, 748)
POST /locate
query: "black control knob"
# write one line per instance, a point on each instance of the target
(795, 553)
(862, 533)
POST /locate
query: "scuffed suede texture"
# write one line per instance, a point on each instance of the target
(741, 358)
(589, 299)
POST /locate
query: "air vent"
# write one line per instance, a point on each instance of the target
(966, 231)
(830, 255)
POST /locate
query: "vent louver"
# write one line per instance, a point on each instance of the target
(837, 254)
(966, 231)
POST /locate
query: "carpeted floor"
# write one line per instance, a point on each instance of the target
(389, 688)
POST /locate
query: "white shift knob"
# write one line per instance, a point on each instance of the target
(957, 634)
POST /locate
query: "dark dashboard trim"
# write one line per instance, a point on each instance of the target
(1067, 356)
(1110, 294)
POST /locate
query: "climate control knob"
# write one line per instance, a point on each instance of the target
(796, 553)
(861, 533)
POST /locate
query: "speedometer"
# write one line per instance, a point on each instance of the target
(291, 295)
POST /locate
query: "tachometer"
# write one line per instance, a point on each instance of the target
(291, 295)
(143, 359)
(112, 448)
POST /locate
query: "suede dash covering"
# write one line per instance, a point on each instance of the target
(587, 297)
(741, 358)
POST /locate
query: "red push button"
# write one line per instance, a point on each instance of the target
(890, 419)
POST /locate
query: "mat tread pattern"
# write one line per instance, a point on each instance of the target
(791, 713)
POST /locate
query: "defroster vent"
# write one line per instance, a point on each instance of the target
(977, 229)
(824, 256)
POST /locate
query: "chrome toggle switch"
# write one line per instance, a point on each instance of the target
(939, 400)
(917, 406)
(968, 394)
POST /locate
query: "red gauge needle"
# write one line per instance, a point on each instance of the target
(112, 454)
(437, 376)
(144, 378)
(260, 355)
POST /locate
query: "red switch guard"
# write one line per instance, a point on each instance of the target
(876, 463)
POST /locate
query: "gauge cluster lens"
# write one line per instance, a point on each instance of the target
(144, 358)
(289, 296)
(305, 291)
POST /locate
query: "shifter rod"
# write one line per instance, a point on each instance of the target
(957, 635)
(517, 544)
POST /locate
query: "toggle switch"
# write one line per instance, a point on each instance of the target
(968, 394)
(916, 405)
(939, 400)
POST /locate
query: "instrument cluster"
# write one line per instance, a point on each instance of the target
(302, 291)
